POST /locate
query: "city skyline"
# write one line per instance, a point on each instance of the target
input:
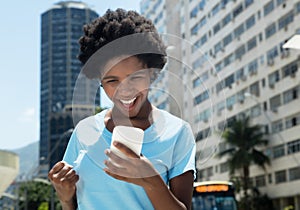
(20, 68)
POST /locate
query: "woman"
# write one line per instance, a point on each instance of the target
(123, 50)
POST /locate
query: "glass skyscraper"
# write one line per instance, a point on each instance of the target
(61, 28)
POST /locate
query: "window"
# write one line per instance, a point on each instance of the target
(272, 53)
(226, 19)
(201, 5)
(198, 25)
(252, 67)
(251, 43)
(217, 28)
(220, 106)
(194, 12)
(239, 74)
(268, 8)
(255, 111)
(204, 76)
(239, 52)
(218, 47)
(292, 121)
(200, 136)
(219, 86)
(278, 151)
(294, 173)
(277, 126)
(254, 89)
(224, 2)
(230, 101)
(215, 10)
(239, 31)
(219, 66)
(273, 78)
(197, 63)
(298, 7)
(210, 172)
(201, 97)
(229, 80)
(290, 69)
(280, 176)
(293, 146)
(241, 95)
(260, 181)
(238, 10)
(284, 21)
(224, 167)
(270, 30)
(248, 3)
(250, 22)
(228, 60)
(260, 37)
(270, 178)
(290, 95)
(227, 40)
(196, 82)
(275, 102)
(199, 43)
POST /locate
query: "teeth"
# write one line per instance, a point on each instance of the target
(127, 101)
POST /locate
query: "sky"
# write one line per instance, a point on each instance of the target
(20, 66)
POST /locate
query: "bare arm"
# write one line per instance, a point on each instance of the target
(179, 196)
(139, 170)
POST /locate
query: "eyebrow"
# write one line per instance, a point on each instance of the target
(116, 77)
(109, 77)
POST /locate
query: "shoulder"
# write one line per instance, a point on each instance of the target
(171, 123)
(172, 120)
(94, 121)
(87, 131)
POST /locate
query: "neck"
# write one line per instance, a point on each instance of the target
(142, 120)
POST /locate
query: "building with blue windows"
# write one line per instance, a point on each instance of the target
(61, 28)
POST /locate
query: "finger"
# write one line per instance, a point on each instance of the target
(71, 174)
(115, 175)
(116, 159)
(125, 149)
(56, 168)
(60, 174)
(70, 180)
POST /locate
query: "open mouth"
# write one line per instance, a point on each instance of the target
(128, 103)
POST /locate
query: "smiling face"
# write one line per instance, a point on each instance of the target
(126, 83)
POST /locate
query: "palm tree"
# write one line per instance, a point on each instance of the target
(244, 140)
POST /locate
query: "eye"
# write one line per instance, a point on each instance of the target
(136, 77)
(112, 81)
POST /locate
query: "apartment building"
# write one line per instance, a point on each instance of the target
(166, 92)
(233, 64)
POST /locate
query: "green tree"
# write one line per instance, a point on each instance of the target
(244, 140)
(35, 196)
(99, 109)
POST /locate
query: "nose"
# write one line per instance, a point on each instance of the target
(125, 87)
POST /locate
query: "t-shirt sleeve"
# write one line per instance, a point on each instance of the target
(72, 150)
(184, 153)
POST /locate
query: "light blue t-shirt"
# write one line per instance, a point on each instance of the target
(168, 143)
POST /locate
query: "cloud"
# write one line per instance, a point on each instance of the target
(27, 115)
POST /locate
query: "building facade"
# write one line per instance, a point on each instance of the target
(61, 28)
(166, 92)
(234, 65)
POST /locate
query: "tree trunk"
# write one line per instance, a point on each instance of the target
(245, 186)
